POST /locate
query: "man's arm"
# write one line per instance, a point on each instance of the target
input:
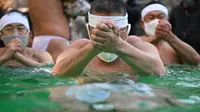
(7, 52)
(3, 57)
(185, 51)
(141, 56)
(44, 58)
(26, 61)
(75, 58)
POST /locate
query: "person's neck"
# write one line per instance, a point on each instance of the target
(150, 39)
(156, 41)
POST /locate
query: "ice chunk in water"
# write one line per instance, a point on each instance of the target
(89, 94)
(187, 84)
(103, 107)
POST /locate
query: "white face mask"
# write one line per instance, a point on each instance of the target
(150, 27)
(107, 57)
(22, 38)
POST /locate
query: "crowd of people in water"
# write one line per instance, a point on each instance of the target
(44, 36)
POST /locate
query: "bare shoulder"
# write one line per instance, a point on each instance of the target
(140, 44)
(134, 39)
(42, 56)
(37, 52)
(80, 43)
(74, 47)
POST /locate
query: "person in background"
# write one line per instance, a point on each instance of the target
(110, 49)
(15, 32)
(184, 19)
(51, 26)
(133, 10)
(154, 20)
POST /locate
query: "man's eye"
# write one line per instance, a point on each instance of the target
(161, 17)
(21, 29)
(123, 29)
(151, 17)
(9, 29)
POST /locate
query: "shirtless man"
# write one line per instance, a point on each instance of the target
(110, 49)
(158, 32)
(50, 21)
(15, 32)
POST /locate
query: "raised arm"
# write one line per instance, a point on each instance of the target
(141, 56)
(185, 51)
(75, 58)
(43, 57)
(7, 53)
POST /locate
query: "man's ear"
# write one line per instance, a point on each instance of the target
(142, 23)
(0, 36)
(30, 35)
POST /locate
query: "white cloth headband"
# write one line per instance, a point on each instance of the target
(154, 7)
(120, 21)
(14, 17)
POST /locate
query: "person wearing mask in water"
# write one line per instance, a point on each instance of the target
(110, 49)
(15, 32)
(154, 20)
(51, 24)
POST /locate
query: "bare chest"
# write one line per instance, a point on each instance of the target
(27, 53)
(119, 66)
(167, 53)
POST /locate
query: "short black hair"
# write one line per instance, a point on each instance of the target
(108, 6)
(2, 12)
(17, 11)
(153, 2)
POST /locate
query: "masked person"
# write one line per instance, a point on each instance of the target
(15, 33)
(110, 49)
(51, 23)
(158, 32)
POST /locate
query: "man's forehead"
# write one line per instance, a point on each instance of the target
(156, 12)
(106, 14)
(14, 24)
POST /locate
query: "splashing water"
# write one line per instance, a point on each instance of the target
(24, 89)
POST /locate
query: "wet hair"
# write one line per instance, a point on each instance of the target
(2, 12)
(108, 6)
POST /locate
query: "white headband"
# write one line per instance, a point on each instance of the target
(154, 7)
(120, 21)
(14, 17)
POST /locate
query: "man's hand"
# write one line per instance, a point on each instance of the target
(106, 37)
(13, 46)
(17, 56)
(163, 30)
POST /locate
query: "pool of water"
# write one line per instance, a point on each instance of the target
(25, 89)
